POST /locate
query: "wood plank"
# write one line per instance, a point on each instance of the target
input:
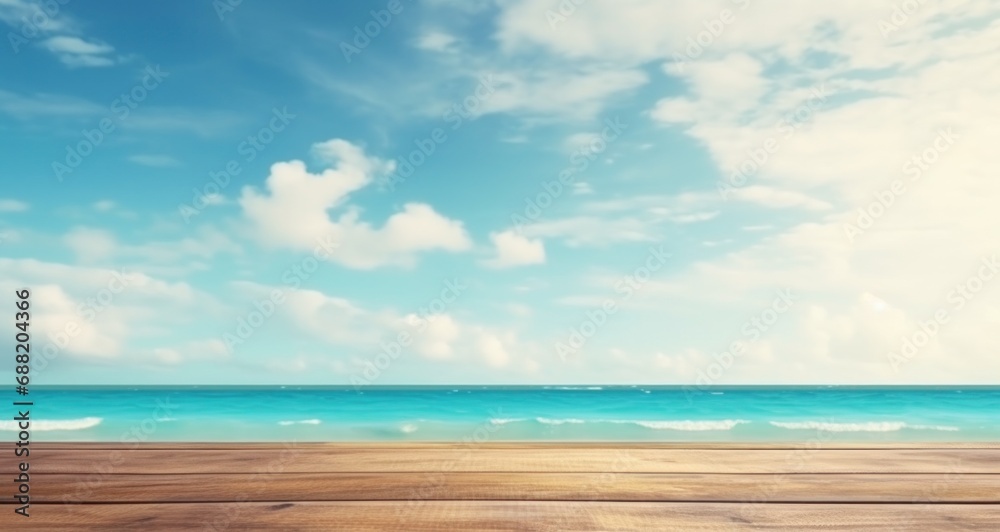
(832, 488)
(473, 459)
(503, 515)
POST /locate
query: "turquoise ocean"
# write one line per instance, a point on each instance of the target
(504, 413)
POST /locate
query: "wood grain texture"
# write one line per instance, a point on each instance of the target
(543, 459)
(510, 516)
(508, 486)
(518, 486)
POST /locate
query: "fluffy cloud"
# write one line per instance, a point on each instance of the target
(30, 19)
(853, 103)
(294, 213)
(513, 249)
(76, 52)
(436, 41)
(92, 313)
(493, 351)
(369, 334)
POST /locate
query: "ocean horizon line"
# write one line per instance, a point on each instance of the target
(580, 386)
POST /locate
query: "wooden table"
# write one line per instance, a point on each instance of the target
(507, 486)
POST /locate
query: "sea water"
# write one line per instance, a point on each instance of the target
(518, 413)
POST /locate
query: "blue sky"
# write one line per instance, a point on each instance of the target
(523, 191)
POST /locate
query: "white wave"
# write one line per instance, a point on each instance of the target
(62, 424)
(504, 421)
(161, 419)
(872, 426)
(725, 424)
(944, 428)
(717, 393)
(408, 428)
(302, 422)
(548, 421)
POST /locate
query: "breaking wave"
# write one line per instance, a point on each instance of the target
(548, 421)
(685, 425)
(62, 424)
(303, 422)
(504, 421)
(725, 424)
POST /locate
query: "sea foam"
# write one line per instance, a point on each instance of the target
(303, 422)
(548, 421)
(504, 421)
(685, 424)
(725, 424)
(61, 424)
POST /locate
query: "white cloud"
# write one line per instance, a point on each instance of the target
(517, 309)
(76, 52)
(103, 205)
(10, 205)
(167, 356)
(732, 84)
(96, 246)
(493, 351)
(847, 108)
(293, 213)
(334, 320)
(693, 217)
(92, 313)
(777, 199)
(436, 41)
(91, 245)
(14, 13)
(59, 317)
(75, 45)
(579, 141)
(42, 105)
(585, 231)
(513, 249)
(436, 340)
(570, 94)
